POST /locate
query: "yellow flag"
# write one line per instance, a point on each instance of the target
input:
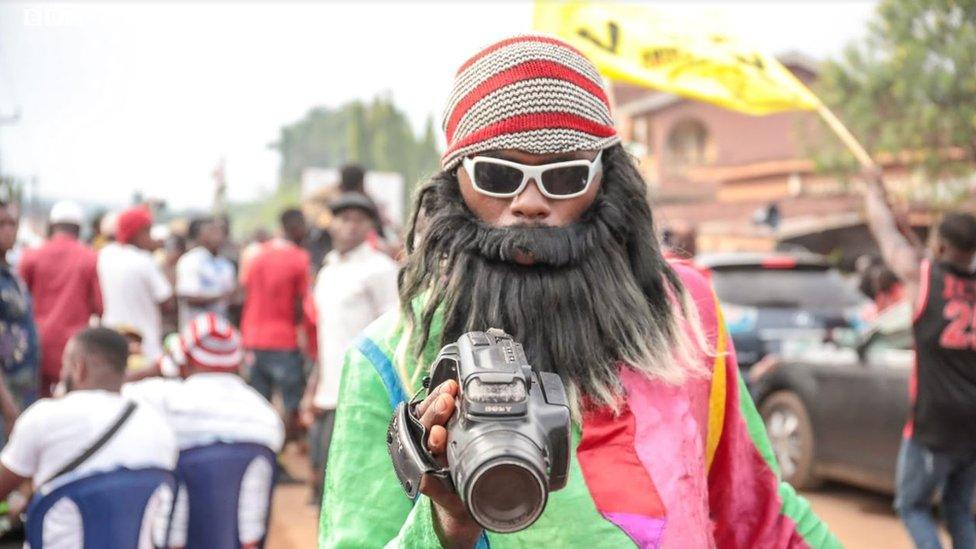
(633, 43)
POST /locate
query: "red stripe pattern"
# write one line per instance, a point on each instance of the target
(210, 342)
(532, 93)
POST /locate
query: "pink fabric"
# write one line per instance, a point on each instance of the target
(736, 504)
(645, 531)
(606, 454)
(742, 491)
(671, 422)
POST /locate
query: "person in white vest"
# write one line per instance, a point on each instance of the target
(212, 403)
(355, 286)
(53, 432)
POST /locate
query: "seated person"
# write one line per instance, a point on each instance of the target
(53, 432)
(214, 404)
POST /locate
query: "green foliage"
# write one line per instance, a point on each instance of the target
(375, 134)
(908, 87)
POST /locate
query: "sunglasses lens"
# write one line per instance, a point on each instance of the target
(496, 178)
(566, 180)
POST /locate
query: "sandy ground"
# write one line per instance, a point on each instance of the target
(860, 519)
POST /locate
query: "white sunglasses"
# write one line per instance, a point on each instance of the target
(506, 179)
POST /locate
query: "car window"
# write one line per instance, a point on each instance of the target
(900, 340)
(813, 289)
(893, 349)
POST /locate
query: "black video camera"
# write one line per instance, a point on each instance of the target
(508, 439)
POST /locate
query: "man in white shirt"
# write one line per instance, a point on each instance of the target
(213, 404)
(355, 286)
(134, 288)
(205, 281)
(53, 432)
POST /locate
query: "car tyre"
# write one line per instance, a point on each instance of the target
(791, 435)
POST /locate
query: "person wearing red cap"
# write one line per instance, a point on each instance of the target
(134, 287)
(540, 224)
(212, 403)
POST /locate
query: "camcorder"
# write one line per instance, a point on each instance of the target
(509, 437)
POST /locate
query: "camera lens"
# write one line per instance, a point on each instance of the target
(506, 496)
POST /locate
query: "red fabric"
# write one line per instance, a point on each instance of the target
(534, 121)
(743, 492)
(63, 281)
(503, 43)
(132, 221)
(275, 284)
(310, 322)
(524, 71)
(606, 455)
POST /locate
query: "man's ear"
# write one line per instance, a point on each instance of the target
(81, 372)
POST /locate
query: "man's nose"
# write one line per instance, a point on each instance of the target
(530, 204)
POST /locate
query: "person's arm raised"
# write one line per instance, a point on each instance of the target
(896, 250)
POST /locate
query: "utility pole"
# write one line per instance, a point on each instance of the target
(7, 187)
(8, 120)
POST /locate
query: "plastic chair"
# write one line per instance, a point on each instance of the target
(212, 476)
(112, 505)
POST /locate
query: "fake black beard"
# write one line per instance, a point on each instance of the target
(596, 296)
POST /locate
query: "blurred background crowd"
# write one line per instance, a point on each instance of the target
(128, 236)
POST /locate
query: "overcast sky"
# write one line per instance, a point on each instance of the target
(117, 97)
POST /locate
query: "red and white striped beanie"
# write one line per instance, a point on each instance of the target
(211, 342)
(531, 93)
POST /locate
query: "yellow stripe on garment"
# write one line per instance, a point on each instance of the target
(716, 396)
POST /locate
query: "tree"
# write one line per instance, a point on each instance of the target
(909, 88)
(376, 134)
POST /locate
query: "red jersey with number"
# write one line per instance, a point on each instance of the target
(944, 388)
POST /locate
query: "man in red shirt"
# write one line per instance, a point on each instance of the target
(62, 278)
(275, 282)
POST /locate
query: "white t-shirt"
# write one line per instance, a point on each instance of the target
(53, 432)
(199, 273)
(211, 407)
(351, 291)
(133, 286)
(218, 407)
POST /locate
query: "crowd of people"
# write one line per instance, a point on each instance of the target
(213, 347)
(142, 352)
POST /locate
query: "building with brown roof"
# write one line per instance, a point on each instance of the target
(719, 171)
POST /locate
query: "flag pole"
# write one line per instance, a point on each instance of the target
(846, 137)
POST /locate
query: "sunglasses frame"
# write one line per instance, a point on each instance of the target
(530, 171)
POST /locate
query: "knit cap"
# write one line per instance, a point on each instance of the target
(211, 342)
(532, 93)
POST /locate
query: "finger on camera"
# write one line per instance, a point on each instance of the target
(437, 440)
(449, 386)
(438, 412)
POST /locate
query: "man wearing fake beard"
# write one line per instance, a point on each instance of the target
(539, 224)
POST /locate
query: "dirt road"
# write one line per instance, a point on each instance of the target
(860, 519)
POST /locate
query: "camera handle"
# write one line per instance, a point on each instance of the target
(406, 441)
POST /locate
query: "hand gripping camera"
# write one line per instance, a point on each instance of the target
(508, 440)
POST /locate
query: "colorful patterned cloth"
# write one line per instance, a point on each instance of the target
(685, 467)
(19, 350)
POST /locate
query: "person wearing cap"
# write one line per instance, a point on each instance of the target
(63, 280)
(134, 287)
(539, 223)
(354, 287)
(212, 403)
